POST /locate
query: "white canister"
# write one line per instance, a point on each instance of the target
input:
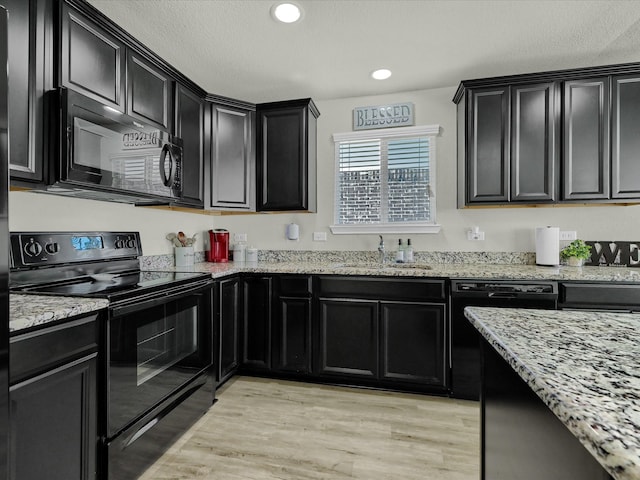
(184, 256)
(239, 252)
(252, 254)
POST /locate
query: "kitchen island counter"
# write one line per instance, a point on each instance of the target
(26, 311)
(584, 366)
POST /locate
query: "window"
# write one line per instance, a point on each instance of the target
(385, 181)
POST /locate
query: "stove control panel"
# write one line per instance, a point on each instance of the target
(33, 249)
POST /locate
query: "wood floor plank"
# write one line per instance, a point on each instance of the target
(264, 429)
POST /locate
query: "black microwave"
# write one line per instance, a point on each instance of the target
(99, 152)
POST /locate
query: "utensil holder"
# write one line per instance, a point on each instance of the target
(184, 256)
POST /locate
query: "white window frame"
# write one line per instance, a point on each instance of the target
(399, 227)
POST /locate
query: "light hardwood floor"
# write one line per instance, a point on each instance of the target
(267, 429)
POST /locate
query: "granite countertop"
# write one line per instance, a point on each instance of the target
(27, 311)
(435, 270)
(585, 366)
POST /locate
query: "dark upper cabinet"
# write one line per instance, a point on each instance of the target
(30, 56)
(233, 163)
(571, 136)
(189, 125)
(533, 142)
(585, 117)
(510, 143)
(92, 60)
(487, 144)
(149, 92)
(625, 161)
(286, 155)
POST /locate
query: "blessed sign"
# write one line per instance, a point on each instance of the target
(383, 116)
(614, 253)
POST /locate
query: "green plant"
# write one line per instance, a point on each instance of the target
(577, 249)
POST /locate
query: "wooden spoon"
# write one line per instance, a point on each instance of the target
(183, 238)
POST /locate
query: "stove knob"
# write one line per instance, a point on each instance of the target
(120, 243)
(52, 248)
(33, 248)
(131, 243)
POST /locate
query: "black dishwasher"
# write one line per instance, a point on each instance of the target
(465, 347)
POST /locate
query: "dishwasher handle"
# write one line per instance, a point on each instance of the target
(502, 295)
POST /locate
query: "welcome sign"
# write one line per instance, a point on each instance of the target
(383, 116)
(614, 253)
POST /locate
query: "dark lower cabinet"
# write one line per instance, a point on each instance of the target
(414, 339)
(53, 406)
(348, 338)
(256, 323)
(52, 424)
(292, 335)
(229, 313)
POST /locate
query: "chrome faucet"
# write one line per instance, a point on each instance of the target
(381, 249)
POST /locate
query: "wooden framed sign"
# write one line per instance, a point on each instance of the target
(383, 116)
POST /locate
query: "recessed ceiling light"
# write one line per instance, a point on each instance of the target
(381, 74)
(286, 12)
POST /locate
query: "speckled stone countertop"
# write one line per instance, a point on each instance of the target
(489, 271)
(33, 310)
(585, 366)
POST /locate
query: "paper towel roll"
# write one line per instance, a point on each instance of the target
(547, 245)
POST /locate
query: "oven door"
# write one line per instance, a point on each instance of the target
(156, 346)
(107, 150)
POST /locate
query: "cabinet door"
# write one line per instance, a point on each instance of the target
(30, 76)
(190, 127)
(232, 158)
(149, 92)
(286, 168)
(256, 351)
(414, 343)
(533, 142)
(625, 137)
(92, 61)
(229, 315)
(348, 338)
(293, 331)
(585, 164)
(488, 145)
(53, 424)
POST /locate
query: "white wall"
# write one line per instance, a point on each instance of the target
(506, 229)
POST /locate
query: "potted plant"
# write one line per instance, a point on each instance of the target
(576, 253)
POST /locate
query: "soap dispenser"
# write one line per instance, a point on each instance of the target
(408, 252)
(400, 252)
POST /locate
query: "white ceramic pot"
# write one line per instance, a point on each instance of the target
(184, 256)
(575, 261)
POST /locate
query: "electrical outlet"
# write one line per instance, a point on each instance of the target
(239, 237)
(568, 235)
(319, 236)
(471, 235)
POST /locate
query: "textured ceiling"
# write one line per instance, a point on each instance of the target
(234, 48)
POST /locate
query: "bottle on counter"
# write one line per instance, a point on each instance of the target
(239, 252)
(400, 252)
(408, 252)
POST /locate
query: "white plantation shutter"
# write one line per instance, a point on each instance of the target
(385, 178)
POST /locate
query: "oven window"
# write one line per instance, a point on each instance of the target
(165, 342)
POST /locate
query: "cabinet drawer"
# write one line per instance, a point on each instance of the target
(600, 295)
(408, 289)
(295, 285)
(34, 352)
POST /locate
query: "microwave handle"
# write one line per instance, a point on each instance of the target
(168, 182)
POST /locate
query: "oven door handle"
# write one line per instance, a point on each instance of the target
(138, 305)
